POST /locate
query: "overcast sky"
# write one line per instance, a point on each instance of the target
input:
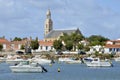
(25, 18)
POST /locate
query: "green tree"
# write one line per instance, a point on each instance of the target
(86, 48)
(17, 39)
(1, 47)
(97, 40)
(57, 44)
(65, 37)
(34, 44)
(76, 38)
(69, 45)
(22, 47)
(80, 46)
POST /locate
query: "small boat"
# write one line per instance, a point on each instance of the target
(69, 60)
(87, 59)
(73, 62)
(96, 62)
(41, 61)
(117, 59)
(28, 67)
(2, 59)
(15, 60)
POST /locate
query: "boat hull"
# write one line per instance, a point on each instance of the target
(100, 64)
(26, 69)
(15, 61)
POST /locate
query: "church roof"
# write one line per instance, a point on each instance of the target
(56, 33)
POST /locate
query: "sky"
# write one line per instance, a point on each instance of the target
(26, 18)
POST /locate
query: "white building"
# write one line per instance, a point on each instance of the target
(112, 46)
(45, 46)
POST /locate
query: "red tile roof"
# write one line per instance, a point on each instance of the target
(114, 41)
(112, 46)
(2, 41)
(18, 42)
(46, 43)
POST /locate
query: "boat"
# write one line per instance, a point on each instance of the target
(117, 59)
(15, 60)
(24, 67)
(41, 60)
(2, 59)
(73, 62)
(87, 59)
(96, 62)
(69, 60)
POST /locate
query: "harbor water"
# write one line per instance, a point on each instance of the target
(67, 72)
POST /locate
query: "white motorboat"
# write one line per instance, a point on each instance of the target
(15, 60)
(28, 67)
(2, 59)
(87, 59)
(73, 62)
(69, 60)
(96, 62)
(40, 60)
(117, 59)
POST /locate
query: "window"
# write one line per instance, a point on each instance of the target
(117, 49)
(46, 47)
(41, 47)
(110, 49)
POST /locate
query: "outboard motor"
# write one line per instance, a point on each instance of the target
(43, 69)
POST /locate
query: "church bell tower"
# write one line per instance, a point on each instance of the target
(48, 23)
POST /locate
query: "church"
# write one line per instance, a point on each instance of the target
(50, 34)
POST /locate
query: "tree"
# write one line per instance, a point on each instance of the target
(34, 44)
(74, 38)
(80, 46)
(1, 47)
(87, 48)
(17, 39)
(22, 47)
(97, 40)
(69, 45)
(57, 44)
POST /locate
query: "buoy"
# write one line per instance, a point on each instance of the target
(50, 65)
(58, 69)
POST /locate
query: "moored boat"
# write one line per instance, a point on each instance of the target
(69, 60)
(28, 67)
(16, 59)
(96, 62)
(117, 59)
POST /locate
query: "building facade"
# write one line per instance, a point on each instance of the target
(6, 44)
(112, 46)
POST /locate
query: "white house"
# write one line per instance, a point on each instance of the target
(97, 48)
(45, 46)
(112, 46)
